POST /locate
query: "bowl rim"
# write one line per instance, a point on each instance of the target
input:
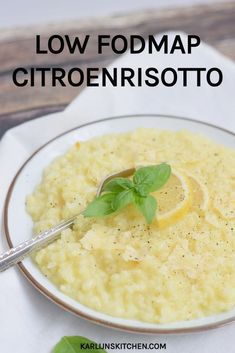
(60, 302)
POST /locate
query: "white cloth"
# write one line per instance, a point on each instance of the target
(29, 322)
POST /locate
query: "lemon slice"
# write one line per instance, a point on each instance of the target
(199, 194)
(174, 200)
(200, 201)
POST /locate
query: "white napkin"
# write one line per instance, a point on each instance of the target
(30, 323)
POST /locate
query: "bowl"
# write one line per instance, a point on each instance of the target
(18, 224)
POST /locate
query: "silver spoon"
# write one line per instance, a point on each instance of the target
(17, 254)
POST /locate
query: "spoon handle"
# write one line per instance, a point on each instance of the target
(16, 254)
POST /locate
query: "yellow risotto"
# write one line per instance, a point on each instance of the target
(181, 266)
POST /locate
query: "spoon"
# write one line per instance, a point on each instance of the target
(17, 254)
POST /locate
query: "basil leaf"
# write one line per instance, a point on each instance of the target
(100, 206)
(76, 344)
(118, 185)
(151, 178)
(123, 199)
(142, 190)
(147, 206)
(162, 174)
(143, 179)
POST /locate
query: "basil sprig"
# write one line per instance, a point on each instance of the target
(77, 344)
(120, 192)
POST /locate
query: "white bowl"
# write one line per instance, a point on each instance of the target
(18, 224)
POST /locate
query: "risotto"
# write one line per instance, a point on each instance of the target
(179, 268)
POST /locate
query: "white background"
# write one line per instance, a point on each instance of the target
(27, 12)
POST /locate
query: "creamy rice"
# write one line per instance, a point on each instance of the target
(121, 266)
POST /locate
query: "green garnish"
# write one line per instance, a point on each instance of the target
(120, 192)
(76, 344)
